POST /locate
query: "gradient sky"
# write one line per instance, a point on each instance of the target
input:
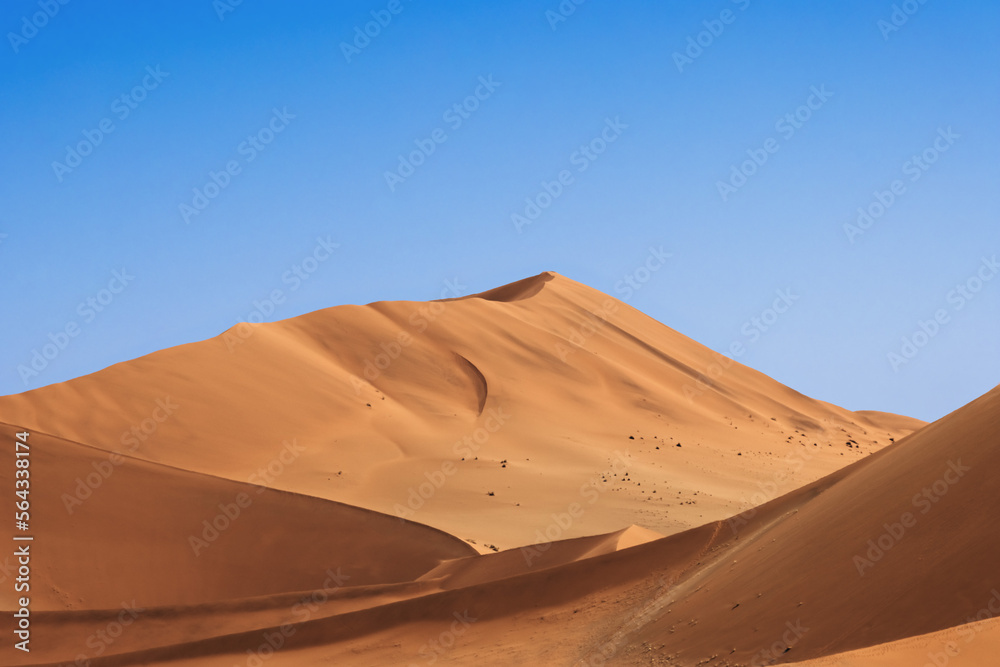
(893, 94)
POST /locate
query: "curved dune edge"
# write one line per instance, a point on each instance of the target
(139, 530)
(516, 291)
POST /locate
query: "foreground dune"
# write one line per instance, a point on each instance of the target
(260, 497)
(787, 583)
(900, 544)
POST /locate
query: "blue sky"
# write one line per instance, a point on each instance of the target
(204, 148)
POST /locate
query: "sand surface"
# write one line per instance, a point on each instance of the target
(538, 474)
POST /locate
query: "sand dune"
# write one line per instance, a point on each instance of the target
(219, 523)
(118, 534)
(787, 578)
(900, 544)
(542, 393)
(335, 486)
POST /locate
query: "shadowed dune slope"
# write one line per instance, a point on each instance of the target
(397, 632)
(904, 543)
(793, 580)
(139, 533)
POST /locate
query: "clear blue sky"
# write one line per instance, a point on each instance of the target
(679, 126)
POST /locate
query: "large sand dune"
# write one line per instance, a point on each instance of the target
(652, 502)
(529, 392)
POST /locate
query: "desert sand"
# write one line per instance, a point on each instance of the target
(534, 475)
